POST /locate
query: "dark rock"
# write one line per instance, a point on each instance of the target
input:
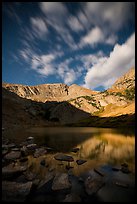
(15, 149)
(30, 138)
(15, 192)
(24, 151)
(11, 171)
(23, 159)
(61, 181)
(49, 149)
(81, 179)
(39, 152)
(124, 165)
(12, 145)
(13, 155)
(92, 185)
(35, 182)
(69, 167)
(47, 178)
(124, 185)
(75, 150)
(5, 151)
(70, 172)
(116, 168)
(63, 157)
(4, 146)
(80, 161)
(31, 146)
(29, 175)
(51, 169)
(98, 171)
(72, 198)
(43, 163)
(125, 170)
(29, 149)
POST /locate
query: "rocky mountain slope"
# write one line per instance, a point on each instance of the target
(48, 92)
(62, 104)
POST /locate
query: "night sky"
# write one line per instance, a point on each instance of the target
(86, 43)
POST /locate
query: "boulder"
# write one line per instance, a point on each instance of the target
(75, 150)
(46, 179)
(72, 198)
(63, 157)
(31, 146)
(29, 175)
(93, 184)
(11, 171)
(13, 155)
(61, 181)
(39, 152)
(15, 192)
(30, 138)
(80, 161)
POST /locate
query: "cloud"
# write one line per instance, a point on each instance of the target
(75, 24)
(103, 20)
(26, 54)
(91, 59)
(96, 36)
(111, 15)
(43, 64)
(67, 74)
(106, 71)
(83, 19)
(39, 26)
(93, 37)
(111, 39)
(70, 77)
(56, 15)
(53, 9)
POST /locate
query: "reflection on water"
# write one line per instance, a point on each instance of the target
(96, 145)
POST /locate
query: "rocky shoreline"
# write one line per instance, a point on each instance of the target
(21, 183)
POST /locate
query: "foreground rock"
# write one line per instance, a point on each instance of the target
(92, 185)
(11, 171)
(39, 152)
(61, 181)
(72, 198)
(15, 192)
(63, 157)
(47, 178)
(13, 155)
(80, 161)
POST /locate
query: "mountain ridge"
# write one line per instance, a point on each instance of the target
(58, 103)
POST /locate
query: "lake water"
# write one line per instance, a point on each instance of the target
(96, 145)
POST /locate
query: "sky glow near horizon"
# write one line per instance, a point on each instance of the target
(90, 44)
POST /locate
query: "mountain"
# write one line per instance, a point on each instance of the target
(48, 92)
(127, 81)
(56, 104)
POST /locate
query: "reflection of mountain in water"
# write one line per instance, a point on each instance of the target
(109, 148)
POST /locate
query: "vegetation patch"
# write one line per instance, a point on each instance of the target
(130, 93)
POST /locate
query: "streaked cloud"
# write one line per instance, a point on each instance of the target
(108, 69)
(93, 37)
(75, 24)
(111, 15)
(39, 26)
